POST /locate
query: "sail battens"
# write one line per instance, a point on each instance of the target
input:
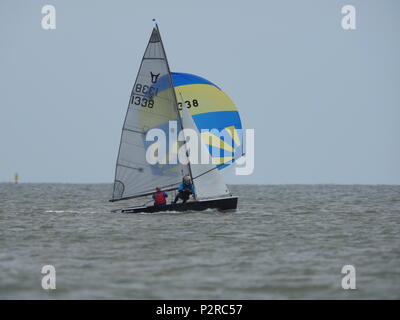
(135, 131)
(153, 113)
(153, 59)
(129, 167)
(138, 94)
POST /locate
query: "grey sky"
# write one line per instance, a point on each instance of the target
(324, 102)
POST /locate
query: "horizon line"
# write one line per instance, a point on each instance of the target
(232, 184)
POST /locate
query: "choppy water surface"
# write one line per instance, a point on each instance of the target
(284, 242)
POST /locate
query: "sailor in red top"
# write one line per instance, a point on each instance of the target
(160, 197)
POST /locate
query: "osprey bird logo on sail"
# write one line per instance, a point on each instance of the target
(154, 77)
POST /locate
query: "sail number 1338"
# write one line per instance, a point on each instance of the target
(149, 103)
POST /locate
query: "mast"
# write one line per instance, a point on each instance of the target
(176, 100)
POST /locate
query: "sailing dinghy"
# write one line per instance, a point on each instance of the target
(153, 104)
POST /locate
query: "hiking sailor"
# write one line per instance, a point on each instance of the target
(185, 190)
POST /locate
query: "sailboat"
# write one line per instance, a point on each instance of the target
(154, 104)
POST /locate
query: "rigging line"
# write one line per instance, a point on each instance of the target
(166, 188)
(174, 94)
(202, 174)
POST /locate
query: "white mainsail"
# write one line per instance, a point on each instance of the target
(152, 105)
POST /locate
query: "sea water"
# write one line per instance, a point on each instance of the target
(283, 242)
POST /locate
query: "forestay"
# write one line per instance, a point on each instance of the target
(207, 179)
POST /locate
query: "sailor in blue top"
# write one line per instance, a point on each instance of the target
(185, 190)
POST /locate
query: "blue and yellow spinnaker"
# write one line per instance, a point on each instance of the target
(211, 108)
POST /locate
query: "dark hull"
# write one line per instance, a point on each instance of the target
(219, 204)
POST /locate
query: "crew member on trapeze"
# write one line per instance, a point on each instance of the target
(185, 190)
